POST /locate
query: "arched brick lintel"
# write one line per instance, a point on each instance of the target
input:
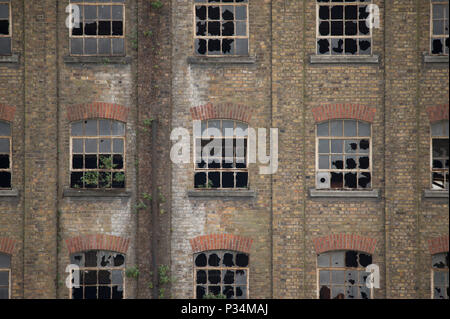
(7, 112)
(97, 110)
(343, 111)
(437, 113)
(97, 242)
(221, 242)
(438, 244)
(7, 245)
(344, 242)
(230, 111)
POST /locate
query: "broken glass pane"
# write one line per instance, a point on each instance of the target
(437, 46)
(350, 162)
(324, 28)
(201, 28)
(4, 161)
(117, 27)
(350, 180)
(364, 146)
(351, 259)
(214, 46)
(325, 292)
(364, 259)
(214, 260)
(352, 277)
(337, 12)
(5, 179)
(228, 291)
(351, 12)
(440, 147)
(241, 260)
(337, 28)
(200, 260)
(213, 29)
(364, 292)
(241, 292)
(351, 46)
(351, 292)
(227, 12)
(228, 277)
(337, 162)
(323, 46)
(200, 292)
(351, 28)
(213, 13)
(364, 46)
(228, 28)
(213, 276)
(364, 180)
(337, 292)
(117, 292)
(201, 277)
(241, 277)
(351, 146)
(337, 180)
(324, 12)
(337, 46)
(439, 261)
(241, 179)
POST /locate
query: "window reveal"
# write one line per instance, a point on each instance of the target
(439, 155)
(5, 155)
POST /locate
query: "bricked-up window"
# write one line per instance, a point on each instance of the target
(5, 27)
(342, 27)
(439, 27)
(101, 275)
(342, 275)
(221, 27)
(5, 155)
(343, 155)
(221, 272)
(440, 276)
(5, 276)
(439, 155)
(221, 157)
(102, 28)
(98, 154)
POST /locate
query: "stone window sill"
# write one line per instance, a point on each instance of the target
(14, 58)
(318, 193)
(205, 60)
(97, 59)
(338, 59)
(431, 193)
(435, 58)
(220, 193)
(87, 193)
(9, 193)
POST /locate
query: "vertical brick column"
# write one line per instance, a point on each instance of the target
(40, 149)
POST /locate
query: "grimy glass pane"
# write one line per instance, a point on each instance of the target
(349, 128)
(337, 259)
(323, 260)
(324, 162)
(324, 146)
(117, 12)
(90, 146)
(90, 12)
(104, 12)
(363, 129)
(77, 129)
(105, 146)
(118, 46)
(104, 46)
(4, 293)
(4, 145)
(5, 129)
(336, 128)
(322, 129)
(4, 11)
(76, 46)
(5, 46)
(437, 129)
(118, 128)
(242, 46)
(4, 278)
(118, 146)
(324, 277)
(90, 46)
(5, 261)
(77, 145)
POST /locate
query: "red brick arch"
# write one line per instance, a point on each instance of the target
(343, 111)
(7, 245)
(97, 242)
(344, 242)
(7, 113)
(221, 242)
(97, 110)
(222, 111)
(438, 245)
(437, 113)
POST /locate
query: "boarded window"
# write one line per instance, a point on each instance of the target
(5, 155)
(101, 275)
(221, 272)
(439, 155)
(440, 276)
(342, 27)
(221, 27)
(343, 158)
(97, 154)
(439, 27)
(5, 27)
(5, 276)
(101, 31)
(342, 275)
(221, 157)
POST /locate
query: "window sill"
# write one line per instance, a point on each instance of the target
(435, 58)
(14, 58)
(337, 59)
(316, 193)
(9, 193)
(220, 193)
(431, 193)
(221, 60)
(70, 192)
(97, 59)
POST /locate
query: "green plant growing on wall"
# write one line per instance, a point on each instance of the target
(148, 33)
(164, 279)
(213, 296)
(157, 4)
(132, 272)
(146, 196)
(90, 178)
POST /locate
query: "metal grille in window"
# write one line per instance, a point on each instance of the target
(221, 27)
(440, 276)
(439, 155)
(101, 29)
(221, 273)
(5, 276)
(342, 275)
(101, 275)
(439, 27)
(5, 27)
(343, 155)
(5, 155)
(221, 159)
(98, 154)
(342, 28)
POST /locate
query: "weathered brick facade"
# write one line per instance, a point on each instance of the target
(159, 219)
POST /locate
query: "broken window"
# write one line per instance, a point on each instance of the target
(439, 155)
(5, 155)
(342, 275)
(221, 272)
(342, 28)
(5, 276)
(221, 27)
(101, 31)
(439, 27)
(440, 276)
(221, 159)
(97, 154)
(5, 27)
(101, 275)
(343, 155)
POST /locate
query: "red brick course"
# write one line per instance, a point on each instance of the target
(221, 111)
(97, 110)
(437, 113)
(7, 245)
(438, 244)
(344, 242)
(7, 112)
(221, 241)
(343, 111)
(97, 242)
